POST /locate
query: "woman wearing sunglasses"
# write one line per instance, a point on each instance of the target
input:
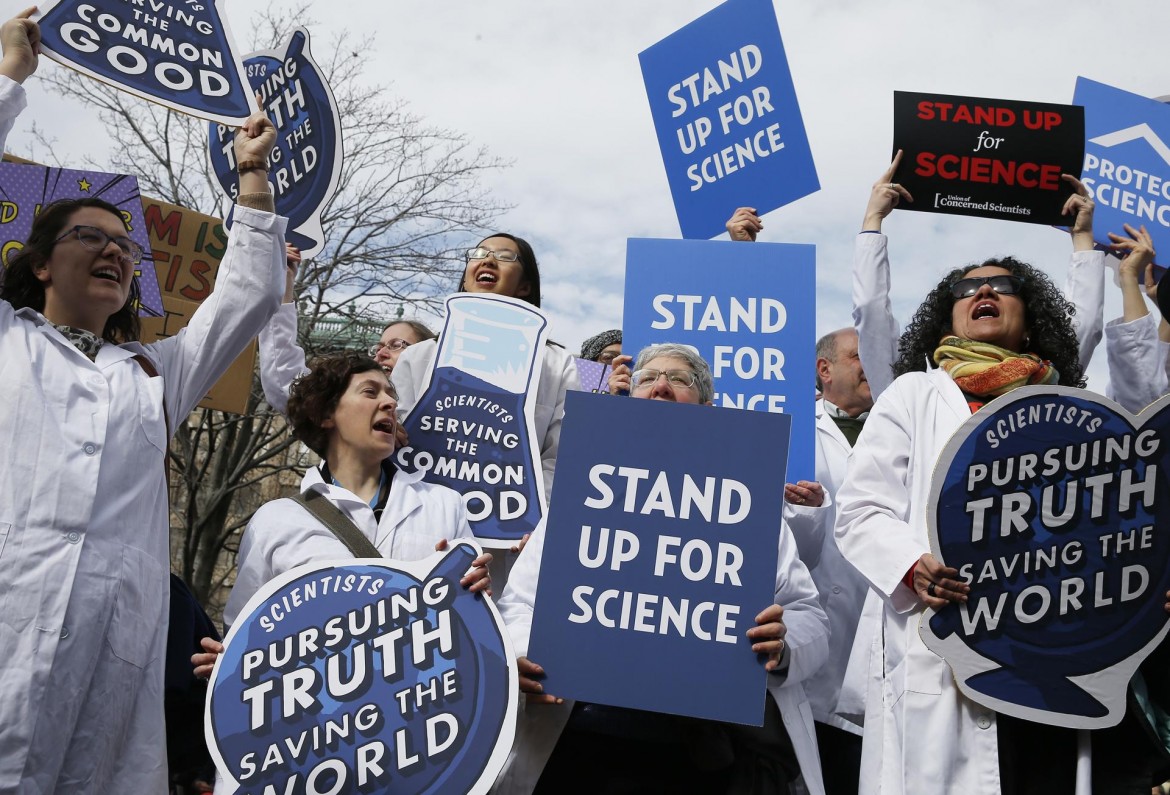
(84, 548)
(983, 331)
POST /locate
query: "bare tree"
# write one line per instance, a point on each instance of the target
(408, 197)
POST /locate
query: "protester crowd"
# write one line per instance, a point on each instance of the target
(856, 702)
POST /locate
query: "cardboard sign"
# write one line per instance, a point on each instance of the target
(187, 250)
(176, 53)
(372, 675)
(749, 310)
(1053, 503)
(306, 161)
(727, 118)
(994, 158)
(1127, 162)
(473, 428)
(26, 188)
(660, 551)
(594, 376)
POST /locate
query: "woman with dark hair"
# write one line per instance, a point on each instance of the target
(981, 332)
(502, 264)
(84, 547)
(343, 410)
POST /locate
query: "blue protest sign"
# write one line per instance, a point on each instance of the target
(172, 52)
(473, 428)
(1127, 162)
(26, 188)
(660, 550)
(1052, 503)
(750, 311)
(727, 118)
(306, 161)
(369, 675)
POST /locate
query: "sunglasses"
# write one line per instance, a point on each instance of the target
(1004, 285)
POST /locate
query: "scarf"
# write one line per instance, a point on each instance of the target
(85, 341)
(987, 371)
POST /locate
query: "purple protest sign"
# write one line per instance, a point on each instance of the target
(24, 189)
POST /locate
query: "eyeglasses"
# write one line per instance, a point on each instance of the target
(393, 345)
(682, 379)
(1002, 284)
(96, 240)
(483, 253)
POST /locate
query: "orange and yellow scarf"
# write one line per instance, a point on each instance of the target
(988, 371)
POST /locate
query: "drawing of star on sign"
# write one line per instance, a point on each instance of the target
(1050, 501)
(84, 184)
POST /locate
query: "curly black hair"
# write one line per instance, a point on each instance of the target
(20, 286)
(313, 398)
(1047, 312)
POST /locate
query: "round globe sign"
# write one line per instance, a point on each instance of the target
(1053, 503)
(365, 677)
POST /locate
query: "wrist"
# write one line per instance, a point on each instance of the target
(1082, 241)
(252, 164)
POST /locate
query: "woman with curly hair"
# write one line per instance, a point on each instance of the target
(984, 330)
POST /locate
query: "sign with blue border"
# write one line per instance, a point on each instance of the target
(174, 53)
(726, 115)
(1052, 503)
(306, 161)
(749, 309)
(660, 550)
(365, 676)
(1127, 162)
(473, 429)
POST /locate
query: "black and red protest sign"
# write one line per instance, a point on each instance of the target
(993, 158)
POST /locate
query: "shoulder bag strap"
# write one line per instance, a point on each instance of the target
(338, 523)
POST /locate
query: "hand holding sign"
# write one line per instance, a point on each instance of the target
(20, 38)
(884, 197)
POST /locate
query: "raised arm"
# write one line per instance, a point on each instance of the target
(1136, 354)
(873, 316)
(1085, 286)
(282, 361)
(20, 40)
(247, 289)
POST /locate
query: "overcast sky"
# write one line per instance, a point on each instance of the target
(555, 88)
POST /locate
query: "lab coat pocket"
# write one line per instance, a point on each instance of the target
(143, 594)
(925, 670)
(151, 414)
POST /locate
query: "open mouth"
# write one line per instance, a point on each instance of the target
(486, 277)
(984, 309)
(385, 426)
(112, 274)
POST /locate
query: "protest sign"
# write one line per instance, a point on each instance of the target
(749, 310)
(1052, 503)
(660, 550)
(594, 376)
(994, 158)
(473, 428)
(173, 52)
(1127, 162)
(26, 188)
(187, 250)
(726, 115)
(306, 161)
(366, 675)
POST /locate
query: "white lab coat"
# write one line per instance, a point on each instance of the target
(841, 587)
(283, 534)
(282, 361)
(84, 552)
(921, 733)
(873, 317)
(807, 642)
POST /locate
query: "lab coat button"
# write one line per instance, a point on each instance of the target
(73, 537)
(983, 721)
(836, 589)
(64, 632)
(90, 448)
